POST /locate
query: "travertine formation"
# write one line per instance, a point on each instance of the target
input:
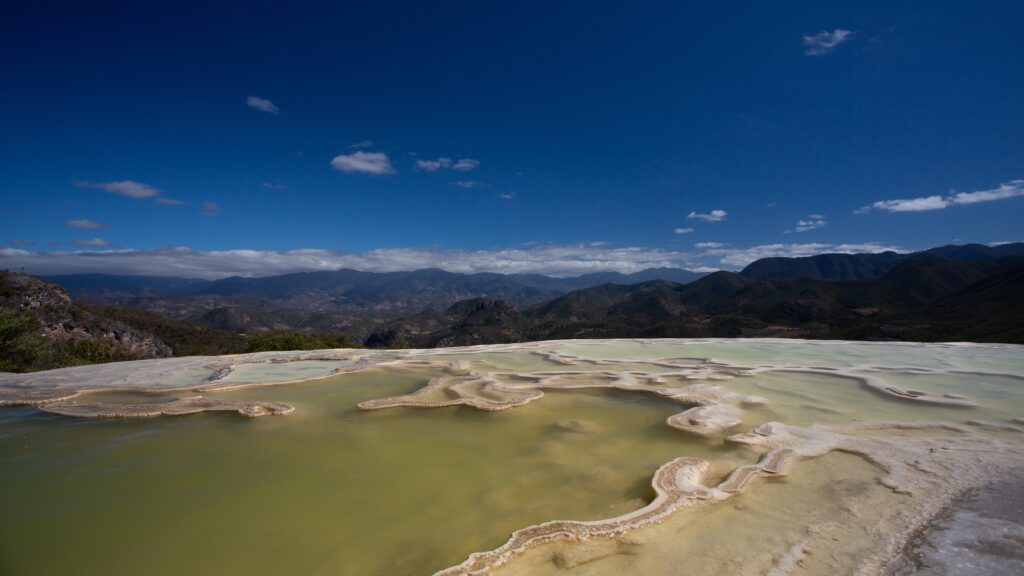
(934, 461)
(714, 409)
(933, 468)
(677, 484)
(58, 391)
(878, 384)
(174, 407)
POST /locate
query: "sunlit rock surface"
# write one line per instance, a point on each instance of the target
(570, 457)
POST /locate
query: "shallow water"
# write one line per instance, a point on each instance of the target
(801, 399)
(328, 489)
(815, 352)
(283, 372)
(331, 489)
(741, 536)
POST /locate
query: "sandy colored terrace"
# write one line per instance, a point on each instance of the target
(807, 447)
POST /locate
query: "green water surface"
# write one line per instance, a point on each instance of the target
(328, 489)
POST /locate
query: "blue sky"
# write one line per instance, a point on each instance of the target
(258, 137)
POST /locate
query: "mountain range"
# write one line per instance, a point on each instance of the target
(971, 292)
(330, 300)
(868, 266)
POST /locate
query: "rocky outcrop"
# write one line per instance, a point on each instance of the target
(63, 324)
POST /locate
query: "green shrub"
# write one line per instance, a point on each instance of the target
(22, 344)
(79, 351)
(284, 340)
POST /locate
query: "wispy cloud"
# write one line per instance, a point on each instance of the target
(445, 163)
(273, 185)
(713, 216)
(433, 165)
(708, 245)
(470, 184)
(813, 222)
(507, 196)
(906, 205)
(129, 188)
(168, 201)
(363, 163)
(85, 224)
(98, 242)
(465, 164)
(210, 209)
(16, 242)
(362, 144)
(1006, 190)
(734, 258)
(262, 104)
(824, 42)
(683, 230)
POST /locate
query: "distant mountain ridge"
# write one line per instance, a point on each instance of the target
(337, 280)
(926, 296)
(830, 295)
(950, 293)
(354, 290)
(867, 266)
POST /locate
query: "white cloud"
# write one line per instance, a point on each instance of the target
(824, 42)
(363, 162)
(713, 216)
(362, 144)
(210, 209)
(466, 164)
(551, 259)
(433, 165)
(734, 258)
(683, 230)
(273, 185)
(708, 245)
(813, 222)
(91, 242)
(907, 205)
(470, 184)
(1010, 189)
(129, 188)
(507, 196)
(262, 104)
(534, 258)
(85, 224)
